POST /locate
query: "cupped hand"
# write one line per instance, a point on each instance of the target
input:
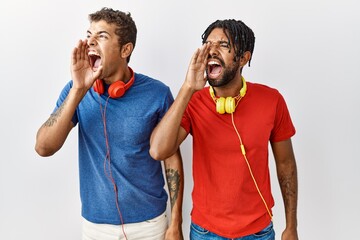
(82, 74)
(195, 77)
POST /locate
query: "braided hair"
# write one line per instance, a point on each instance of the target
(237, 32)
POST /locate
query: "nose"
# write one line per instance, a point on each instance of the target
(214, 50)
(91, 41)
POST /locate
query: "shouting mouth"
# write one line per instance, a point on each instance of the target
(214, 69)
(95, 60)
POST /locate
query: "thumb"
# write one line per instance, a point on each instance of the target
(98, 72)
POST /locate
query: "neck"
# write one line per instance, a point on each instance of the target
(123, 74)
(232, 89)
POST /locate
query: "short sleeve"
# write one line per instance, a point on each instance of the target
(283, 126)
(185, 121)
(168, 101)
(64, 93)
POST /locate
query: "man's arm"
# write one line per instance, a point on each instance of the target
(175, 180)
(168, 135)
(287, 176)
(53, 133)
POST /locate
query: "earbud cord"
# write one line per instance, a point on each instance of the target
(107, 163)
(242, 147)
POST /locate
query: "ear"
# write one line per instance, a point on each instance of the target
(126, 50)
(244, 59)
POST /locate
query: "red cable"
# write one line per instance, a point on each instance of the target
(107, 163)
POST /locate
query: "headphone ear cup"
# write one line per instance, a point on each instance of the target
(98, 86)
(220, 105)
(229, 105)
(116, 89)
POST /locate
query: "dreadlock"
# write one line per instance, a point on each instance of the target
(125, 25)
(237, 32)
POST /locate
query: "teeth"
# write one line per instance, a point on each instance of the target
(212, 63)
(93, 53)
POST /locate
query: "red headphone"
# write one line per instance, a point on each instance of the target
(116, 89)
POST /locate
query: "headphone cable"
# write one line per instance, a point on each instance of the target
(242, 147)
(107, 163)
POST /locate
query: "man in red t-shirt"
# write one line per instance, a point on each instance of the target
(232, 122)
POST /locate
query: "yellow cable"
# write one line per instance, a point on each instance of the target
(242, 147)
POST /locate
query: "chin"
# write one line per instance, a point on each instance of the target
(215, 82)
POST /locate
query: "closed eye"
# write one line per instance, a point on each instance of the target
(224, 44)
(103, 36)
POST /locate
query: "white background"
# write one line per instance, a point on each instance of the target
(308, 49)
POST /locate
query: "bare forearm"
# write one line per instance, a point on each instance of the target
(175, 181)
(168, 135)
(287, 175)
(53, 133)
(168, 129)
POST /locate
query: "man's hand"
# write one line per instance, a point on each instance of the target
(174, 233)
(82, 74)
(195, 77)
(289, 235)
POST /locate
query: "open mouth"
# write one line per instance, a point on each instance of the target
(95, 60)
(214, 69)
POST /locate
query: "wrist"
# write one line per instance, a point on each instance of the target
(176, 218)
(175, 223)
(291, 226)
(188, 89)
(78, 91)
(77, 94)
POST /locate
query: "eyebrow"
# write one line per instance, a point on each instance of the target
(100, 32)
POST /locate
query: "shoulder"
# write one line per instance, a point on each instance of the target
(151, 88)
(68, 85)
(143, 80)
(261, 88)
(66, 89)
(260, 94)
(262, 91)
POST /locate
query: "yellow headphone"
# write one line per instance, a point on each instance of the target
(227, 105)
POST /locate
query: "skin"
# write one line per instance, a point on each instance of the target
(170, 131)
(101, 38)
(175, 180)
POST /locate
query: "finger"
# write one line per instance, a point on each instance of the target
(194, 57)
(205, 75)
(86, 46)
(204, 51)
(97, 73)
(75, 53)
(207, 51)
(83, 50)
(78, 50)
(86, 52)
(73, 56)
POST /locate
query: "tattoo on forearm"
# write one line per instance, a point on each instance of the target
(53, 117)
(288, 185)
(173, 180)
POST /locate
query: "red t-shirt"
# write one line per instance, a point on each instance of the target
(225, 199)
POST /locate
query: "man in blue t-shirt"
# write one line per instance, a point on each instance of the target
(121, 186)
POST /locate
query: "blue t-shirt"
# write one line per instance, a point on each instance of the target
(129, 123)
